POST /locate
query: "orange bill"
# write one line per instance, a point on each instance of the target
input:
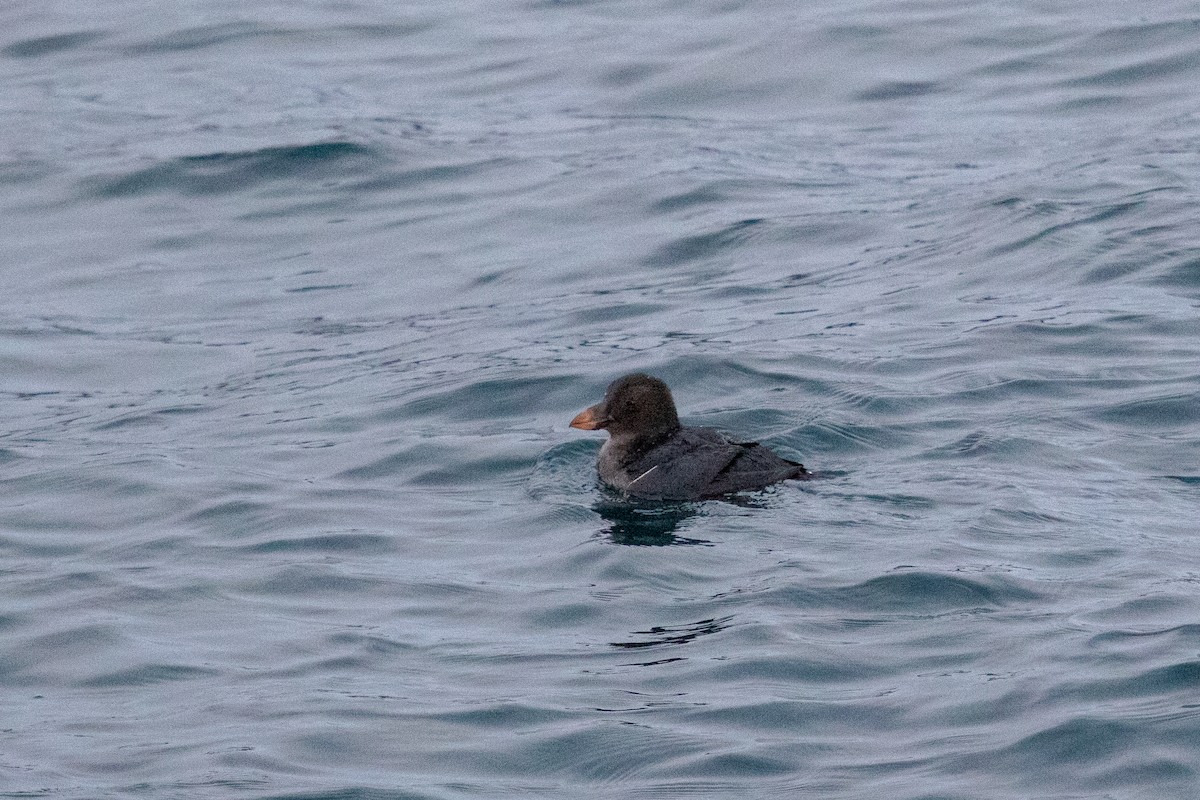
(589, 419)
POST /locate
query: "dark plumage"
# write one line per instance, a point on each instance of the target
(649, 455)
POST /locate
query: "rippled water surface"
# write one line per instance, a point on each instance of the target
(300, 297)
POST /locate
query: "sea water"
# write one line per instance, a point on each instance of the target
(299, 298)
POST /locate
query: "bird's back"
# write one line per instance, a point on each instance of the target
(697, 463)
(754, 467)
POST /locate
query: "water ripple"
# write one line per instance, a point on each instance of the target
(221, 173)
(300, 301)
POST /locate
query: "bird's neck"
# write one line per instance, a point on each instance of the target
(633, 445)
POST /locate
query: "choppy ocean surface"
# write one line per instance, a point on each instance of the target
(299, 298)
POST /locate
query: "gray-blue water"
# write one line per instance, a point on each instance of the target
(299, 297)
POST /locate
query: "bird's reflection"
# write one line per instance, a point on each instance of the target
(646, 524)
(654, 524)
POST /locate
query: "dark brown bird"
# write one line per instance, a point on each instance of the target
(649, 455)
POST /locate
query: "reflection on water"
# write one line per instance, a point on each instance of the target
(646, 524)
(653, 524)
